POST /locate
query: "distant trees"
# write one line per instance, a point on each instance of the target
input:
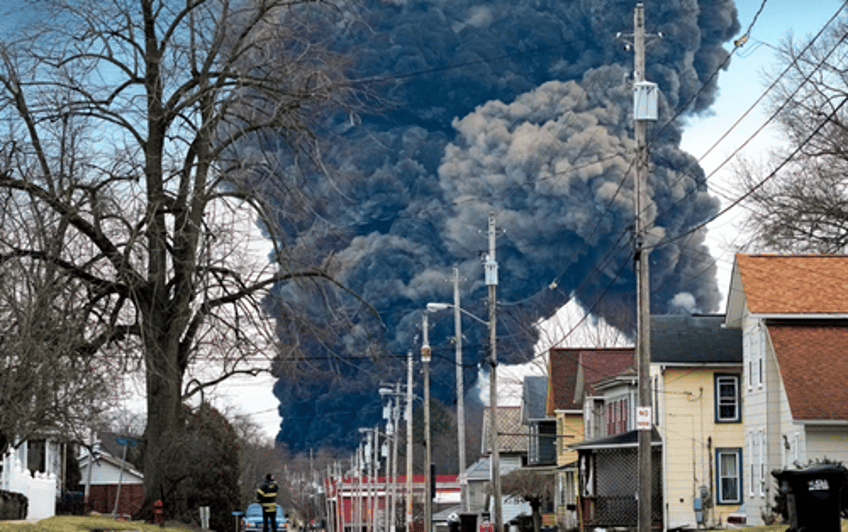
(129, 198)
(799, 204)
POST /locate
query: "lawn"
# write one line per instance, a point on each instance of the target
(780, 528)
(75, 523)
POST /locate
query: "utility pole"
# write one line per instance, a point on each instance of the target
(428, 480)
(409, 441)
(460, 393)
(645, 95)
(491, 272)
(395, 440)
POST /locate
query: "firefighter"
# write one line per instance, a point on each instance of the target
(266, 495)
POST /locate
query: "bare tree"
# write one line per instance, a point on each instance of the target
(796, 202)
(125, 126)
(535, 487)
(48, 380)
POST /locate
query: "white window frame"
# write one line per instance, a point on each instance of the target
(721, 476)
(724, 378)
(761, 347)
(752, 440)
(762, 462)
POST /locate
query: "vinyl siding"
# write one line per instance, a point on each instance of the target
(827, 442)
(691, 435)
(569, 430)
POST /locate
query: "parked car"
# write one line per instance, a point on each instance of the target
(252, 518)
(738, 518)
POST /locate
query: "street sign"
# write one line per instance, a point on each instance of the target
(643, 418)
(126, 442)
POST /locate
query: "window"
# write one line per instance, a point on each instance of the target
(727, 399)
(762, 458)
(752, 452)
(729, 476)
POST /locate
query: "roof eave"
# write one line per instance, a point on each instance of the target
(830, 422)
(800, 316)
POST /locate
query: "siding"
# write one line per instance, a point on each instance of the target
(827, 442)
(691, 435)
(569, 430)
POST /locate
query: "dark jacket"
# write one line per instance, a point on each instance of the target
(266, 495)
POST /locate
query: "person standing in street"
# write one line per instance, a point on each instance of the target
(266, 495)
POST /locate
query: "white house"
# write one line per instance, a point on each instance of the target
(793, 312)
(34, 470)
(107, 479)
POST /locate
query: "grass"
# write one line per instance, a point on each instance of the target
(780, 528)
(73, 523)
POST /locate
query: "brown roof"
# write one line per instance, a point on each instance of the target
(600, 365)
(562, 377)
(568, 366)
(813, 365)
(795, 284)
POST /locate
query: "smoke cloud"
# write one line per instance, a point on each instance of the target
(521, 108)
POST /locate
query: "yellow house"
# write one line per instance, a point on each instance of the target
(697, 368)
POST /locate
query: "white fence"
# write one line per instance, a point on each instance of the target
(39, 488)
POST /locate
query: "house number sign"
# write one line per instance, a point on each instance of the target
(819, 484)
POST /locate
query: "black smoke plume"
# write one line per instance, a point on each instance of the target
(522, 108)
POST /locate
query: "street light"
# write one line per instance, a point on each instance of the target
(435, 307)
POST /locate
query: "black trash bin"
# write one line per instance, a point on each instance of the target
(813, 497)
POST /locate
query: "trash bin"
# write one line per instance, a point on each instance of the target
(813, 497)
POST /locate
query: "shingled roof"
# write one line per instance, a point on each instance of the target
(813, 365)
(513, 437)
(574, 370)
(694, 339)
(803, 300)
(789, 284)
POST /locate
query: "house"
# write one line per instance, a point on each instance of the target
(576, 406)
(356, 502)
(108, 478)
(697, 364)
(512, 438)
(541, 445)
(34, 469)
(792, 311)
(607, 459)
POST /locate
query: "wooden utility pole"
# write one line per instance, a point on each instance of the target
(491, 274)
(644, 110)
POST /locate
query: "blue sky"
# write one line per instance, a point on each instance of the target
(740, 86)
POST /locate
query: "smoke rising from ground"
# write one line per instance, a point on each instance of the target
(521, 108)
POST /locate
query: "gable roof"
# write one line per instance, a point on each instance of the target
(813, 365)
(598, 366)
(573, 371)
(810, 285)
(694, 339)
(562, 377)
